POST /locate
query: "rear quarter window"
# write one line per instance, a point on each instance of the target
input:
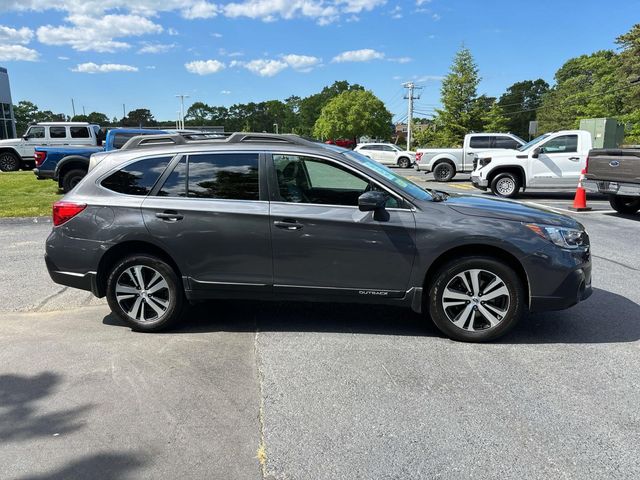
(480, 142)
(137, 178)
(79, 132)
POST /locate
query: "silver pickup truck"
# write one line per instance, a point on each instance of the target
(615, 172)
(446, 162)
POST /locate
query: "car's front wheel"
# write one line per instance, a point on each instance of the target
(476, 299)
(145, 292)
(404, 162)
(9, 162)
(627, 205)
(505, 185)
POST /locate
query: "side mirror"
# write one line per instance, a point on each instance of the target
(372, 201)
(25, 137)
(536, 152)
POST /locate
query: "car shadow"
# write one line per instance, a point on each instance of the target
(634, 217)
(604, 318)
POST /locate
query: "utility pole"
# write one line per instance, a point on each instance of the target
(83, 112)
(411, 96)
(73, 107)
(275, 125)
(124, 113)
(182, 97)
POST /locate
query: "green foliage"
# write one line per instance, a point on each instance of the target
(494, 119)
(460, 111)
(27, 113)
(519, 104)
(141, 117)
(352, 114)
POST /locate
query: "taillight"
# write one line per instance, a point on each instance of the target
(418, 156)
(40, 157)
(586, 166)
(65, 211)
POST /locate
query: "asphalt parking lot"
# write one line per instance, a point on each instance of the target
(294, 391)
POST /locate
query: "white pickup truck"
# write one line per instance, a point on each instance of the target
(550, 161)
(446, 162)
(19, 152)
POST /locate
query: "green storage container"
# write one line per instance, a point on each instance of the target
(605, 132)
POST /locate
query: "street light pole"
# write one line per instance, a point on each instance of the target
(275, 125)
(182, 97)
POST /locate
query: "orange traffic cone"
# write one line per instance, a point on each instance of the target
(580, 200)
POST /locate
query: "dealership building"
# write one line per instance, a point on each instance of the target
(7, 122)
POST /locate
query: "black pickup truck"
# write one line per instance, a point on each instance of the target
(615, 172)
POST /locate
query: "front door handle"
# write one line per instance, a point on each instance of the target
(574, 158)
(170, 216)
(288, 224)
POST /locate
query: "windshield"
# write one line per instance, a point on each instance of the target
(399, 181)
(395, 147)
(533, 142)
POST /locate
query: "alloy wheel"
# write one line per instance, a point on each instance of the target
(476, 299)
(505, 186)
(142, 293)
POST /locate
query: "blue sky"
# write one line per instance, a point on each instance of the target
(104, 53)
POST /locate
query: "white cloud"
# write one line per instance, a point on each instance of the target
(200, 9)
(225, 92)
(15, 35)
(364, 55)
(10, 53)
(97, 34)
(204, 67)
(156, 47)
(401, 59)
(63, 58)
(150, 67)
(301, 63)
(396, 13)
(436, 17)
(264, 68)
(172, 31)
(427, 78)
(216, 35)
(422, 2)
(91, 67)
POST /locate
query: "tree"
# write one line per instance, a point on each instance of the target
(352, 114)
(25, 113)
(459, 113)
(309, 108)
(494, 119)
(519, 104)
(98, 118)
(629, 44)
(140, 117)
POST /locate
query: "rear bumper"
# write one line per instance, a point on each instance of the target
(44, 174)
(612, 188)
(83, 281)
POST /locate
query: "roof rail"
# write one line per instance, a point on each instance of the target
(187, 138)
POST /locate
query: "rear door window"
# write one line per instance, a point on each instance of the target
(506, 142)
(57, 132)
(137, 178)
(480, 142)
(79, 132)
(226, 176)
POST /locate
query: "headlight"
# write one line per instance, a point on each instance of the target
(562, 237)
(484, 161)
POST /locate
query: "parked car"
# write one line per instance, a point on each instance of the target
(16, 153)
(387, 154)
(445, 163)
(551, 161)
(341, 142)
(68, 165)
(278, 217)
(615, 172)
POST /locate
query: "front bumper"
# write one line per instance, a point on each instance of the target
(479, 182)
(575, 288)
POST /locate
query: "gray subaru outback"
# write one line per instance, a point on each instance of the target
(169, 220)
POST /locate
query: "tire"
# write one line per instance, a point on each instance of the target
(161, 301)
(71, 179)
(404, 162)
(476, 320)
(444, 172)
(506, 185)
(9, 162)
(626, 205)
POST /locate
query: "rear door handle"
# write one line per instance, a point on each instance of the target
(170, 215)
(288, 224)
(574, 158)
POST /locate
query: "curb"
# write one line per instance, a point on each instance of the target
(24, 220)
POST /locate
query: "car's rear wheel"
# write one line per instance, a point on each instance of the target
(627, 205)
(404, 162)
(476, 299)
(72, 178)
(444, 172)
(145, 292)
(9, 162)
(505, 185)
